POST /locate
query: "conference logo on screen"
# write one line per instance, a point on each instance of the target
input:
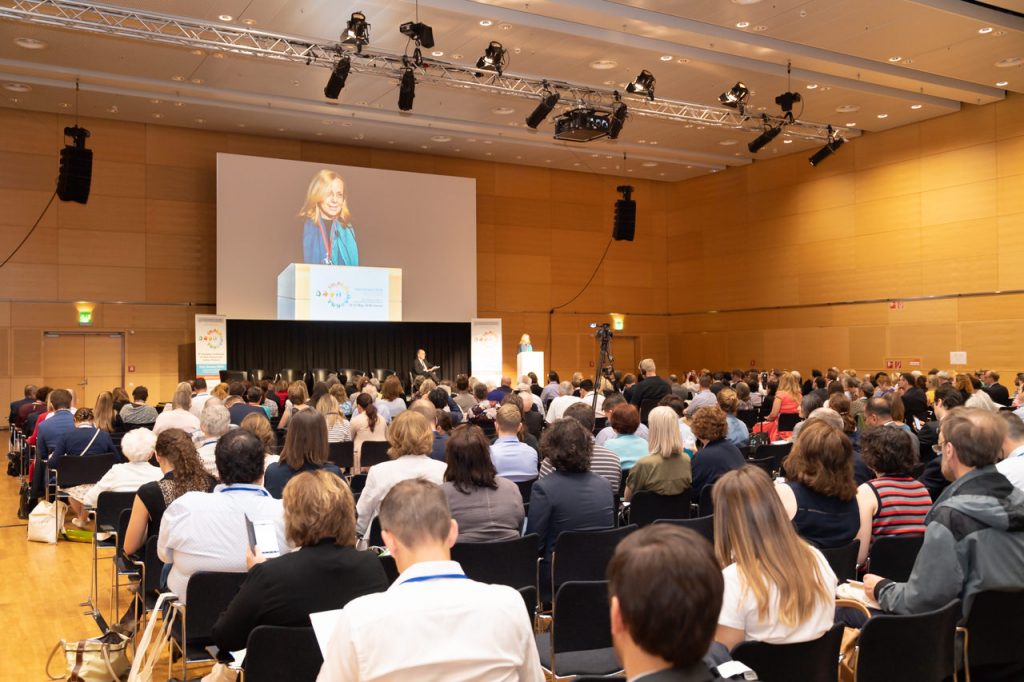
(336, 294)
(213, 338)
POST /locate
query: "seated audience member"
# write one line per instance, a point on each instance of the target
(137, 411)
(253, 405)
(85, 439)
(366, 425)
(180, 415)
(1012, 464)
(56, 423)
(572, 497)
(842, 406)
(651, 386)
(626, 444)
(603, 461)
(220, 391)
(410, 439)
(29, 398)
(182, 471)
(513, 459)
(972, 541)
(716, 454)
(983, 401)
(36, 407)
(558, 405)
(894, 502)
(666, 471)
(207, 531)
(778, 588)
(487, 507)
(786, 400)
(703, 398)
(588, 395)
(305, 449)
(607, 433)
(260, 426)
(337, 426)
(887, 411)
(430, 413)
(915, 400)
(326, 572)
(861, 473)
(743, 397)
(214, 422)
(392, 395)
(295, 402)
(500, 391)
(551, 390)
(678, 405)
(533, 419)
(103, 413)
(137, 447)
(464, 397)
(995, 390)
(809, 404)
(820, 494)
(737, 432)
(394, 635)
(121, 398)
(200, 396)
(964, 384)
(947, 398)
(666, 593)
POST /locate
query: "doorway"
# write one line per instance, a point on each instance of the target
(624, 352)
(88, 363)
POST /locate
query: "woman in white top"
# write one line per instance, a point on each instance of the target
(391, 396)
(778, 588)
(180, 415)
(411, 439)
(137, 446)
(366, 425)
(337, 426)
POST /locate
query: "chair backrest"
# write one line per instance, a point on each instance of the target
(259, 375)
(706, 505)
(529, 595)
(525, 487)
(788, 422)
(342, 454)
(278, 653)
(580, 617)
(814, 661)
(705, 525)
(990, 639)
(229, 375)
(506, 562)
(390, 567)
(584, 554)
(767, 464)
(894, 555)
(919, 647)
(357, 483)
(290, 375)
(109, 507)
(776, 452)
(380, 373)
(122, 527)
(74, 471)
(320, 374)
(373, 536)
(131, 427)
(843, 560)
(154, 567)
(748, 417)
(207, 595)
(646, 507)
(646, 405)
(373, 452)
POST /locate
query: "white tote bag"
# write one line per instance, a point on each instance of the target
(44, 520)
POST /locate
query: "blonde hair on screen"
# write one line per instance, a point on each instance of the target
(319, 186)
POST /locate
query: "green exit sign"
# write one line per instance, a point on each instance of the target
(84, 318)
(618, 324)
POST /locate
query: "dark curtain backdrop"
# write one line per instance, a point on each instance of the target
(273, 345)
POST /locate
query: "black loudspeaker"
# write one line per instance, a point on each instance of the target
(75, 168)
(625, 220)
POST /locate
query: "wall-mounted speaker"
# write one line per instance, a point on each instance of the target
(75, 177)
(624, 226)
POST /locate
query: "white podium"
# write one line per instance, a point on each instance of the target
(339, 292)
(530, 362)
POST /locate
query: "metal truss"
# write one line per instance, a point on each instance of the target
(192, 34)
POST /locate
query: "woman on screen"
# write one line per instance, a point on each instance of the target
(328, 237)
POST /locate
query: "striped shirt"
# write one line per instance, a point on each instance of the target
(903, 502)
(603, 462)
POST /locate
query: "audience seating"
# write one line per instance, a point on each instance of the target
(992, 649)
(257, 375)
(275, 653)
(525, 487)
(78, 471)
(390, 567)
(229, 375)
(122, 567)
(380, 373)
(342, 454)
(705, 525)
(151, 569)
(373, 534)
(706, 505)
(131, 427)
(646, 507)
(583, 555)
(748, 417)
(529, 595)
(373, 452)
(788, 422)
(893, 556)
(207, 594)
(646, 405)
(356, 483)
(290, 375)
(505, 562)
(599, 423)
(580, 641)
(814, 661)
(766, 464)
(901, 648)
(320, 374)
(843, 560)
(109, 507)
(777, 452)
(349, 376)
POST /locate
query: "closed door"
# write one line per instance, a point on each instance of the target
(88, 364)
(624, 351)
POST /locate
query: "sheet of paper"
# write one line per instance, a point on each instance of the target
(323, 623)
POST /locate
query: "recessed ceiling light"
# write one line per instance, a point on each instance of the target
(1009, 62)
(218, 55)
(742, 24)
(225, 17)
(441, 138)
(200, 120)
(486, 22)
(649, 164)
(488, 154)
(760, 28)
(65, 105)
(179, 104)
(17, 87)
(241, 125)
(728, 143)
(423, 146)
(327, 121)
(346, 124)
(883, 116)
(456, 55)
(787, 142)
(154, 101)
(603, 64)
(319, 133)
(1001, 84)
(812, 86)
(653, 142)
(198, 53)
(547, 160)
(895, 59)
(249, 22)
(666, 57)
(281, 130)
(178, 78)
(916, 106)
(682, 60)
(30, 43)
(15, 100)
(983, 31)
(503, 111)
(745, 2)
(488, 142)
(112, 109)
(198, 81)
(158, 115)
(505, 27)
(851, 124)
(577, 164)
(848, 108)
(437, 53)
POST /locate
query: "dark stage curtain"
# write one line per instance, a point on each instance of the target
(278, 344)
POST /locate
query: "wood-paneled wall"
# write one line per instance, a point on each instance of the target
(933, 209)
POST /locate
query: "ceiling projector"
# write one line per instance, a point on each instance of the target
(582, 125)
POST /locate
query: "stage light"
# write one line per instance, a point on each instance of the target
(736, 97)
(493, 57)
(834, 143)
(643, 84)
(407, 89)
(421, 33)
(547, 104)
(338, 77)
(357, 31)
(786, 101)
(617, 120)
(764, 138)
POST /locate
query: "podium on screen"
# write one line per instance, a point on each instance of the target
(338, 292)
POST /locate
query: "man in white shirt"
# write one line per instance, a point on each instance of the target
(433, 623)
(565, 399)
(587, 396)
(207, 531)
(1012, 465)
(214, 422)
(200, 397)
(607, 433)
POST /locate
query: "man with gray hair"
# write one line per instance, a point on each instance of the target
(214, 422)
(651, 386)
(564, 400)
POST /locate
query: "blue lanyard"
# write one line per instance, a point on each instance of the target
(231, 489)
(443, 576)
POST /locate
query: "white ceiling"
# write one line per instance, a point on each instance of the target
(844, 54)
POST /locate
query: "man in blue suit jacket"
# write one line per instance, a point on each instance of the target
(85, 439)
(51, 431)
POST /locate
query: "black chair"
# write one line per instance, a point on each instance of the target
(373, 452)
(349, 375)
(584, 554)
(357, 483)
(380, 373)
(919, 647)
(766, 464)
(73, 471)
(788, 422)
(256, 375)
(748, 417)
(646, 507)
(290, 375)
(373, 535)
(599, 424)
(151, 569)
(843, 560)
(529, 594)
(320, 374)
(991, 644)
(275, 653)
(208, 595)
(705, 525)
(893, 556)
(505, 562)
(229, 375)
(109, 508)
(390, 567)
(131, 427)
(580, 641)
(777, 452)
(814, 661)
(646, 405)
(342, 454)
(525, 487)
(706, 505)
